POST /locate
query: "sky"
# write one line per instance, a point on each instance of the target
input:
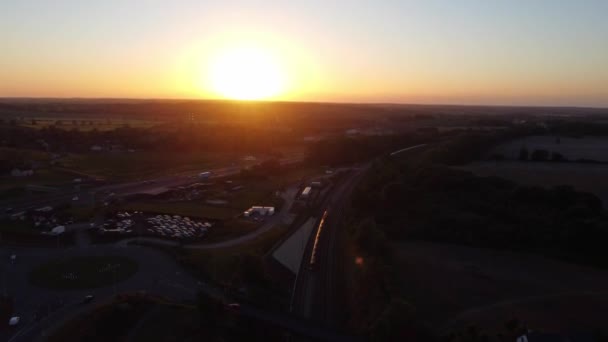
(511, 52)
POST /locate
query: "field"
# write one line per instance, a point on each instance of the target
(85, 123)
(184, 322)
(456, 286)
(141, 164)
(83, 272)
(591, 148)
(584, 177)
(106, 322)
(12, 187)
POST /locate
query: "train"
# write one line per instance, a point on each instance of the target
(315, 246)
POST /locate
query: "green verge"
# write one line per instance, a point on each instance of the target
(83, 272)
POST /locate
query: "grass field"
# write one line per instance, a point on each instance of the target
(85, 123)
(111, 321)
(11, 186)
(584, 177)
(83, 272)
(593, 148)
(221, 265)
(141, 164)
(457, 286)
(184, 323)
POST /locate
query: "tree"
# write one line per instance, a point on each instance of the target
(523, 153)
(540, 155)
(399, 322)
(211, 311)
(557, 157)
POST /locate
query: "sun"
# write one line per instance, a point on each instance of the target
(246, 73)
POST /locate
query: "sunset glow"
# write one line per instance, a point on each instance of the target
(246, 73)
(470, 52)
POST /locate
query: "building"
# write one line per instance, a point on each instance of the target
(257, 210)
(316, 184)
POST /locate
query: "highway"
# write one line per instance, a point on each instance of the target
(88, 196)
(315, 304)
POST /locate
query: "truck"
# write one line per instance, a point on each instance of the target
(204, 175)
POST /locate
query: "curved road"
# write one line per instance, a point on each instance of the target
(157, 273)
(281, 217)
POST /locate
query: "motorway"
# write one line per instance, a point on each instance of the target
(315, 303)
(43, 310)
(88, 196)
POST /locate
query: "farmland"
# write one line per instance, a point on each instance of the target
(489, 287)
(587, 175)
(127, 166)
(587, 148)
(583, 177)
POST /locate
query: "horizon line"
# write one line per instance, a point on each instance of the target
(446, 104)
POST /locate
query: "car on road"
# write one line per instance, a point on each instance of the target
(88, 299)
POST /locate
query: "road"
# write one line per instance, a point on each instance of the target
(280, 217)
(157, 273)
(315, 306)
(88, 196)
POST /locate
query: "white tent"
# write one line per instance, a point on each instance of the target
(14, 321)
(58, 230)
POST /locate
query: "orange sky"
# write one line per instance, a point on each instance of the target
(470, 52)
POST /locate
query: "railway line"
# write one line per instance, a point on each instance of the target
(315, 292)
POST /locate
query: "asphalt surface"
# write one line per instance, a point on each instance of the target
(280, 217)
(41, 309)
(88, 196)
